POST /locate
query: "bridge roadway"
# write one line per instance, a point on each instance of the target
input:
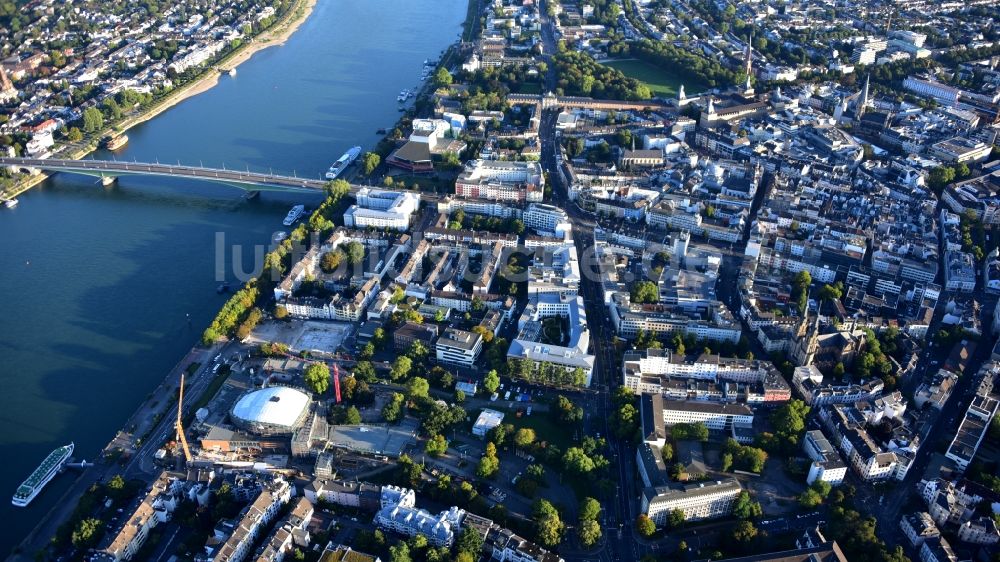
(114, 168)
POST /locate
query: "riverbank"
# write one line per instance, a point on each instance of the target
(273, 36)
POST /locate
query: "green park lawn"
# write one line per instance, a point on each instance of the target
(663, 84)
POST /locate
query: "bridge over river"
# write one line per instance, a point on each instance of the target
(108, 170)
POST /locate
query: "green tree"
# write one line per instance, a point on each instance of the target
(317, 377)
(399, 552)
(940, 177)
(675, 518)
(355, 252)
(74, 134)
(469, 542)
(625, 421)
(745, 507)
(491, 382)
(589, 532)
(524, 437)
(442, 78)
(400, 368)
(590, 509)
(87, 532)
(111, 109)
(331, 260)
(116, 485)
(548, 526)
(810, 498)
(567, 412)
(436, 446)
(371, 161)
(392, 411)
(489, 464)
(727, 462)
(93, 120)
(667, 452)
(418, 542)
(800, 290)
(822, 487)
(418, 351)
(352, 416)
(697, 431)
(575, 460)
(645, 525)
(744, 532)
(830, 292)
(498, 434)
(365, 371)
(645, 292)
(417, 387)
(789, 422)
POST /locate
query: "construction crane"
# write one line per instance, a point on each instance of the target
(179, 426)
(336, 382)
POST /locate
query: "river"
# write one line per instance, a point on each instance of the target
(98, 282)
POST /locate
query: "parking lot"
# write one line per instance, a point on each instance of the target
(305, 335)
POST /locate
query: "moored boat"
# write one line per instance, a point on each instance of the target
(343, 162)
(293, 215)
(42, 475)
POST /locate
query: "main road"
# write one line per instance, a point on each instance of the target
(619, 543)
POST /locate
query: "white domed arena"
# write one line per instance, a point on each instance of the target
(271, 411)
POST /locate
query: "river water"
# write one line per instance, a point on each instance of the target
(98, 283)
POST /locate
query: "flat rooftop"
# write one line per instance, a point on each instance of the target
(388, 440)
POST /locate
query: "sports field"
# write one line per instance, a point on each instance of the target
(663, 84)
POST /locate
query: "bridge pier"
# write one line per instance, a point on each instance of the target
(251, 195)
(108, 180)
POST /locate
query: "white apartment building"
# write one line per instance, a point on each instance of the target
(256, 518)
(336, 308)
(378, 208)
(943, 93)
(546, 220)
(827, 464)
(651, 369)
(458, 347)
(450, 204)
(981, 530)
(720, 328)
(439, 529)
(970, 434)
(716, 416)
(396, 495)
(918, 527)
(574, 355)
(959, 271)
(937, 550)
(700, 500)
(155, 508)
(505, 546)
